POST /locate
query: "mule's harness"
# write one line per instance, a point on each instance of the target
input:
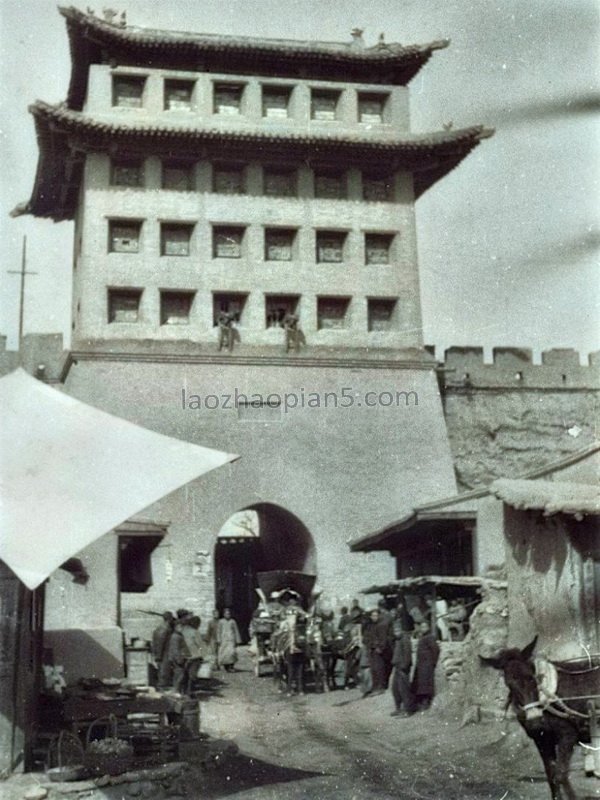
(546, 676)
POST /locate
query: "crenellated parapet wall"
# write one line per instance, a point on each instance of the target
(9, 359)
(513, 368)
(42, 355)
(512, 416)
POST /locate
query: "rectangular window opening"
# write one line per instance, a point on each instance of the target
(128, 91)
(279, 244)
(229, 179)
(175, 239)
(277, 307)
(126, 172)
(228, 303)
(378, 248)
(324, 104)
(124, 236)
(124, 305)
(332, 312)
(179, 95)
(178, 176)
(228, 98)
(276, 101)
(268, 410)
(378, 188)
(381, 314)
(227, 242)
(330, 185)
(279, 182)
(330, 247)
(175, 307)
(372, 107)
(135, 562)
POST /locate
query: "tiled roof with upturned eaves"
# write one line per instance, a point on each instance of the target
(94, 40)
(60, 131)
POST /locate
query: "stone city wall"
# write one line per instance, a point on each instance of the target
(513, 416)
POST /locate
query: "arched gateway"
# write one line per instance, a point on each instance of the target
(256, 539)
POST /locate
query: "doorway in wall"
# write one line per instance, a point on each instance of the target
(256, 539)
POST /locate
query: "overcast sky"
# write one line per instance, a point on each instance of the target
(508, 242)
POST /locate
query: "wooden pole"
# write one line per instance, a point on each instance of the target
(22, 272)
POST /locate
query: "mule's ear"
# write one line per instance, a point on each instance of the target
(527, 651)
(496, 663)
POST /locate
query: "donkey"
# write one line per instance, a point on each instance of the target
(554, 726)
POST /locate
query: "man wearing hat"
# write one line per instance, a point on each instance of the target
(178, 652)
(160, 647)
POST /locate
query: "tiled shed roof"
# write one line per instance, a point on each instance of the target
(430, 155)
(93, 39)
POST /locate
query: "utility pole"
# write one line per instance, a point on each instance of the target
(22, 272)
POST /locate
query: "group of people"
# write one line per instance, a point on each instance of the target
(178, 647)
(383, 648)
(387, 656)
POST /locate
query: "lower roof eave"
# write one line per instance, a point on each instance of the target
(64, 136)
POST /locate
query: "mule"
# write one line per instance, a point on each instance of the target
(554, 726)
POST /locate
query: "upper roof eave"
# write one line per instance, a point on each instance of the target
(91, 38)
(69, 121)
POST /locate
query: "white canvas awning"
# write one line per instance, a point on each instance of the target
(70, 473)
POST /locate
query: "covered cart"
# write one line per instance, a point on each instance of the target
(274, 588)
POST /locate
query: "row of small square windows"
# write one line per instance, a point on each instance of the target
(231, 179)
(228, 242)
(176, 308)
(229, 99)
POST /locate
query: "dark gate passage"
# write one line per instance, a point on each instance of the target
(257, 539)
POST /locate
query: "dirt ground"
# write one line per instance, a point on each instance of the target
(341, 746)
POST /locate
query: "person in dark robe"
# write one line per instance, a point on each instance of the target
(428, 652)
(377, 644)
(402, 661)
(356, 612)
(160, 647)
(344, 619)
(178, 655)
(387, 618)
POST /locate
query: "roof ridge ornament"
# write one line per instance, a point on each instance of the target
(358, 43)
(109, 15)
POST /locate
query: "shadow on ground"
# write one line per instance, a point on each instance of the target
(242, 773)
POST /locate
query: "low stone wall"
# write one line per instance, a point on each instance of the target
(465, 685)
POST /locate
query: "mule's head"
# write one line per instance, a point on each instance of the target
(519, 675)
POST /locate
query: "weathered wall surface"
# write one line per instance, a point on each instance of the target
(481, 691)
(545, 577)
(509, 417)
(340, 471)
(89, 605)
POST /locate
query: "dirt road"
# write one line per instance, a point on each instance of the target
(341, 746)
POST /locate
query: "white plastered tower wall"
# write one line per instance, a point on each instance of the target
(339, 469)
